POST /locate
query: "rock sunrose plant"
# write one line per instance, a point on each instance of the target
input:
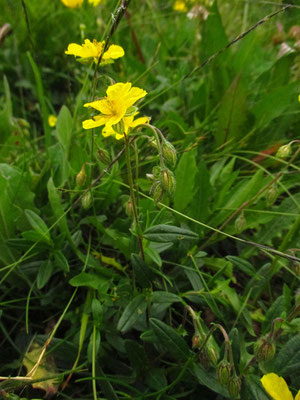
(93, 50)
(277, 387)
(114, 106)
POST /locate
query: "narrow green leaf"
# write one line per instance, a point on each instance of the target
(38, 225)
(44, 274)
(168, 233)
(132, 313)
(185, 180)
(170, 340)
(64, 129)
(88, 279)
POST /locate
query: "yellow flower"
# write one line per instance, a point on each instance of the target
(277, 387)
(113, 107)
(129, 124)
(95, 2)
(52, 120)
(72, 3)
(180, 6)
(94, 50)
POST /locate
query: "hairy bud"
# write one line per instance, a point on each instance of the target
(264, 349)
(119, 127)
(156, 192)
(169, 153)
(234, 386)
(86, 200)
(81, 176)
(240, 223)
(129, 208)
(104, 156)
(223, 372)
(168, 181)
(284, 151)
(271, 195)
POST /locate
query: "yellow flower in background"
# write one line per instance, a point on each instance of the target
(277, 387)
(95, 2)
(52, 120)
(72, 3)
(113, 107)
(180, 6)
(94, 50)
(129, 124)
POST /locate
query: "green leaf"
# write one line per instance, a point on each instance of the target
(288, 360)
(156, 379)
(168, 233)
(57, 208)
(277, 308)
(97, 310)
(61, 261)
(41, 99)
(143, 273)
(170, 340)
(209, 380)
(44, 274)
(242, 264)
(88, 279)
(231, 114)
(132, 313)
(253, 388)
(39, 226)
(64, 129)
(185, 180)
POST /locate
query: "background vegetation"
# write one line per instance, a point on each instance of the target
(73, 281)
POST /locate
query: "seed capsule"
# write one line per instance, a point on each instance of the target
(168, 181)
(104, 156)
(86, 200)
(284, 151)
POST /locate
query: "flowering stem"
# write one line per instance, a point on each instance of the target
(132, 196)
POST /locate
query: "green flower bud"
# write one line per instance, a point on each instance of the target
(169, 153)
(86, 200)
(23, 123)
(156, 192)
(223, 372)
(240, 223)
(168, 181)
(271, 195)
(264, 349)
(284, 151)
(197, 341)
(297, 297)
(234, 387)
(81, 176)
(129, 208)
(156, 171)
(104, 156)
(212, 354)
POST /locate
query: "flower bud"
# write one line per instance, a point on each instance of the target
(81, 176)
(223, 372)
(271, 195)
(284, 151)
(168, 181)
(240, 223)
(23, 123)
(264, 349)
(169, 153)
(104, 156)
(297, 297)
(197, 341)
(156, 192)
(129, 208)
(234, 386)
(212, 354)
(86, 200)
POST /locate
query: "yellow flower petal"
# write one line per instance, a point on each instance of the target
(114, 52)
(140, 121)
(134, 95)
(72, 3)
(276, 387)
(118, 90)
(297, 396)
(94, 123)
(97, 105)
